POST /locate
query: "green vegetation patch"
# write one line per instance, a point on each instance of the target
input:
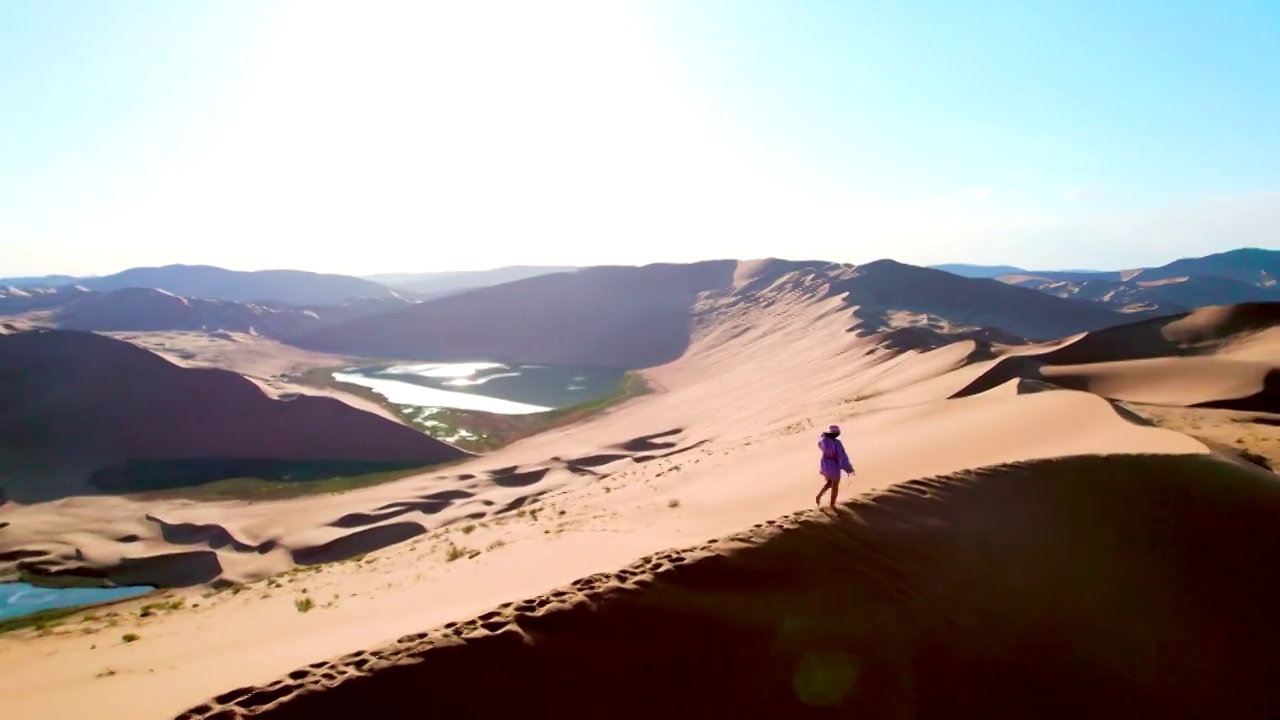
(39, 621)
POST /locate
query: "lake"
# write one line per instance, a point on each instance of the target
(18, 599)
(486, 387)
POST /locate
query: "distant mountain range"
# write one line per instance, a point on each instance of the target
(990, 271)
(412, 314)
(438, 284)
(977, 271)
(1236, 276)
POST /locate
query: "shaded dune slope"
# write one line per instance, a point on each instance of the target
(981, 302)
(923, 338)
(1198, 332)
(153, 310)
(1256, 266)
(84, 397)
(1079, 587)
(1222, 357)
(603, 316)
(146, 309)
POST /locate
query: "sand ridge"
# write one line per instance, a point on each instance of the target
(1224, 357)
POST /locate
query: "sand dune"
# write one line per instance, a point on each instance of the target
(1163, 296)
(605, 316)
(1256, 266)
(135, 309)
(268, 363)
(75, 406)
(640, 317)
(1224, 357)
(1253, 266)
(17, 301)
(1080, 587)
(1190, 382)
(956, 591)
(886, 285)
(246, 542)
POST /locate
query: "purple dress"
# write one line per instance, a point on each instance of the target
(834, 458)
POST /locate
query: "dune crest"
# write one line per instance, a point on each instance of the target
(1221, 357)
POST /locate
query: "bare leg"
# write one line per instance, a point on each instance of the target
(823, 491)
(835, 490)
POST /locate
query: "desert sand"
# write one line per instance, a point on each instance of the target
(1008, 548)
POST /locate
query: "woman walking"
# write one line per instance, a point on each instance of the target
(834, 459)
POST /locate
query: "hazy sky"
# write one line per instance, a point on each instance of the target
(427, 135)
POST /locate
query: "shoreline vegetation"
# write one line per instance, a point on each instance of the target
(45, 620)
(476, 431)
(319, 478)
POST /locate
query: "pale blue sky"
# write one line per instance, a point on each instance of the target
(416, 136)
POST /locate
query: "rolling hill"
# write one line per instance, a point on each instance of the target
(148, 309)
(1165, 296)
(1212, 357)
(79, 411)
(1244, 275)
(152, 310)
